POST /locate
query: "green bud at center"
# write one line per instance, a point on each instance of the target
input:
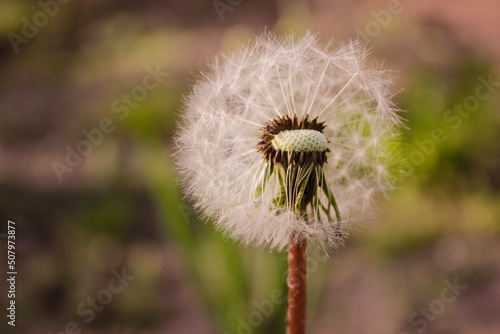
(300, 141)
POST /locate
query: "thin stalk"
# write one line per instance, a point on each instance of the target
(297, 286)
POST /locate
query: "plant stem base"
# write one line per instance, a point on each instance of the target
(297, 283)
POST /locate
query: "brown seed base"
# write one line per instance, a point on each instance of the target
(284, 123)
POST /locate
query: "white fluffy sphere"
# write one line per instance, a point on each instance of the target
(240, 93)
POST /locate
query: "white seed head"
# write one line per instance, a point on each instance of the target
(240, 93)
(300, 140)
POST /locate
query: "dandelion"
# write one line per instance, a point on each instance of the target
(285, 142)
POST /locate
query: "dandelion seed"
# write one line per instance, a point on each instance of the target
(285, 142)
(285, 137)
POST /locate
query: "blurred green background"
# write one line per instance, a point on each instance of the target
(67, 66)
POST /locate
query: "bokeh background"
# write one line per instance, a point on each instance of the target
(120, 208)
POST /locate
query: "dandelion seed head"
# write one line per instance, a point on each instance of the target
(286, 124)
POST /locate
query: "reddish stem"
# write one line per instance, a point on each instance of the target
(297, 283)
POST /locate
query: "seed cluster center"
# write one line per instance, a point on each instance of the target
(300, 140)
(287, 140)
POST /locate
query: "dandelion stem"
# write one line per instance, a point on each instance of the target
(297, 284)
